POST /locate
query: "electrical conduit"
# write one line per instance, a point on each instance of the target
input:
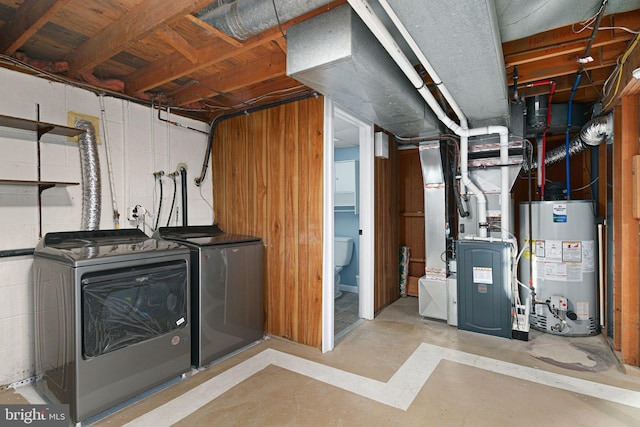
(368, 16)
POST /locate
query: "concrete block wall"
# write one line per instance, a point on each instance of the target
(139, 144)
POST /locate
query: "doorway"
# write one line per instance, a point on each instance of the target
(347, 290)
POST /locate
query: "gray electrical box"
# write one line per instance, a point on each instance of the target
(484, 291)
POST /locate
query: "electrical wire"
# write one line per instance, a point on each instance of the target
(107, 149)
(618, 71)
(588, 185)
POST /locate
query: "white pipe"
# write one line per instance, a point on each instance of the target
(427, 66)
(601, 273)
(368, 16)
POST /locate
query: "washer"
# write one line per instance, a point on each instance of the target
(111, 317)
(226, 289)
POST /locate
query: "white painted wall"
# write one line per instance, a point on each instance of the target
(139, 144)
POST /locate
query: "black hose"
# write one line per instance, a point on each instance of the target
(218, 119)
(173, 201)
(15, 252)
(159, 178)
(183, 177)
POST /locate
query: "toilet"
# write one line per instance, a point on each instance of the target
(342, 252)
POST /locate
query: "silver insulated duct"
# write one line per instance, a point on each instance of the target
(336, 54)
(592, 134)
(461, 40)
(242, 19)
(90, 170)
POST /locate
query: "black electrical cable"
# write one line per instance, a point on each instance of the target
(218, 119)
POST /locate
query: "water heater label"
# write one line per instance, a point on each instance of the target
(483, 275)
(559, 212)
(571, 251)
(588, 256)
(582, 310)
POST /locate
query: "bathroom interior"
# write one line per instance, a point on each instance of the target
(346, 226)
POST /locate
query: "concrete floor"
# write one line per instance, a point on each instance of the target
(399, 370)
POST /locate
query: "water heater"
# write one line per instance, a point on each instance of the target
(560, 257)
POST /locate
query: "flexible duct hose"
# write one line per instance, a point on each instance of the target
(591, 134)
(90, 171)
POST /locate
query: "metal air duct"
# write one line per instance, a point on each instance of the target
(90, 171)
(461, 40)
(335, 54)
(591, 135)
(242, 19)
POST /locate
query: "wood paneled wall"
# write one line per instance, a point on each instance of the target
(267, 181)
(386, 273)
(626, 248)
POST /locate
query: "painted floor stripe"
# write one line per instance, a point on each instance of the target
(399, 392)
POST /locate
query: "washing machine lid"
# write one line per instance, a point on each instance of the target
(203, 235)
(93, 247)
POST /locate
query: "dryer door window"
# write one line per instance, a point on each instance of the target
(126, 306)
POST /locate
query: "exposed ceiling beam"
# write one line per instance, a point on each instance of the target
(576, 47)
(138, 23)
(213, 30)
(178, 42)
(625, 84)
(566, 82)
(553, 39)
(235, 78)
(174, 66)
(567, 64)
(29, 18)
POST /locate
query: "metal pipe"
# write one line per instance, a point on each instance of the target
(183, 178)
(543, 150)
(90, 171)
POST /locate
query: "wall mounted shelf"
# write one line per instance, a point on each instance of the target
(37, 126)
(41, 128)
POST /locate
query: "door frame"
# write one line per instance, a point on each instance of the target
(366, 209)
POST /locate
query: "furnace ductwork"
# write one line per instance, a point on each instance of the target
(242, 19)
(592, 134)
(90, 170)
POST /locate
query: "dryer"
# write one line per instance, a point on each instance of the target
(111, 317)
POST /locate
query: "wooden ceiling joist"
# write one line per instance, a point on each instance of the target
(265, 68)
(174, 66)
(567, 64)
(213, 30)
(562, 36)
(138, 23)
(565, 83)
(28, 19)
(576, 48)
(178, 42)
